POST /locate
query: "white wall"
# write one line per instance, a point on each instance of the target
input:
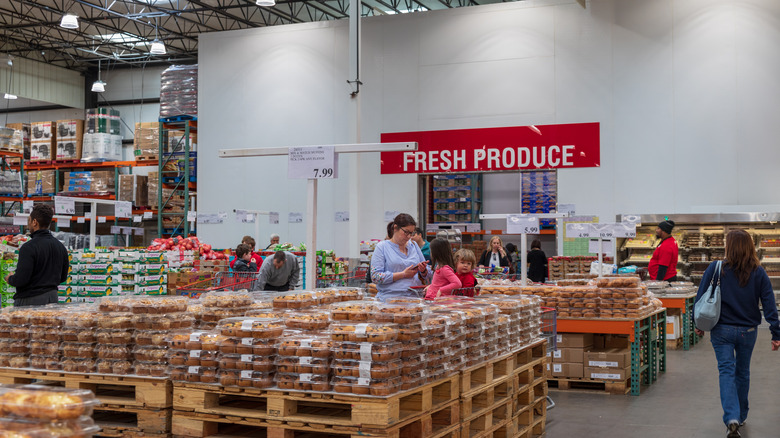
(686, 92)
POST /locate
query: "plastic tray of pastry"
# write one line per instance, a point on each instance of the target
(44, 348)
(347, 293)
(307, 319)
(245, 378)
(143, 304)
(114, 337)
(73, 334)
(294, 300)
(237, 299)
(15, 360)
(194, 374)
(18, 315)
(324, 297)
(439, 323)
(367, 351)
(47, 316)
(149, 354)
(113, 352)
(366, 369)
(266, 313)
(172, 321)
(617, 282)
(305, 345)
(193, 358)
(363, 332)
(78, 350)
(195, 340)
(570, 292)
(410, 332)
(259, 328)
(411, 348)
(44, 333)
(216, 314)
(81, 318)
(264, 364)
(506, 305)
(153, 369)
(679, 290)
(413, 379)
(116, 320)
(303, 381)
(150, 338)
(353, 310)
(236, 345)
(45, 402)
(364, 386)
(499, 289)
(400, 313)
(21, 332)
(34, 428)
(51, 363)
(306, 365)
(412, 364)
(78, 365)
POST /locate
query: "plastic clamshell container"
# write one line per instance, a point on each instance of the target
(302, 381)
(43, 348)
(150, 338)
(242, 362)
(116, 321)
(194, 374)
(363, 386)
(113, 352)
(364, 332)
(78, 351)
(366, 369)
(51, 363)
(259, 328)
(114, 337)
(45, 403)
(227, 299)
(245, 378)
(400, 313)
(307, 319)
(149, 354)
(305, 346)
(153, 369)
(47, 316)
(306, 365)
(617, 282)
(33, 428)
(235, 345)
(300, 300)
(216, 314)
(51, 334)
(353, 310)
(78, 365)
(368, 351)
(80, 318)
(173, 321)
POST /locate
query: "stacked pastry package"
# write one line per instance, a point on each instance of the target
(33, 411)
(624, 297)
(14, 340)
(220, 305)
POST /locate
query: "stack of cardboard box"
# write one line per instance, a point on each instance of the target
(146, 140)
(25, 135)
(102, 141)
(590, 357)
(70, 137)
(43, 141)
(41, 182)
(97, 181)
(133, 188)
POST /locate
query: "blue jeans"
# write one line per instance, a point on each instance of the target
(733, 347)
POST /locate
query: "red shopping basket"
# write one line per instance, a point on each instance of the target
(223, 281)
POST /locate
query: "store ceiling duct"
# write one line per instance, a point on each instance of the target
(69, 21)
(158, 48)
(265, 3)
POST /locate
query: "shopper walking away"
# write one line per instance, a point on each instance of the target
(43, 263)
(464, 267)
(537, 262)
(495, 256)
(249, 240)
(444, 279)
(274, 242)
(743, 285)
(425, 246)
(243, 260)
(511, 253)
(663, 264)
(279, 273)
(397, 263)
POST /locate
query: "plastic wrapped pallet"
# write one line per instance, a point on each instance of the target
(41, 182)
(25, 136)
(102, 121)
(133, 188)
(101, 147)
(179, 91)
(89, 182)
(10, 182)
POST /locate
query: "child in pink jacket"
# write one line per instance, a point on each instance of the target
(444, 278)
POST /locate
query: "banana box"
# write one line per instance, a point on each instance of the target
(152, 269)
(151, 290)
(127, 279)
(98, 280)
(99, 291)
(99, 268)
(152, 280)
(126, 268)
(153, 257)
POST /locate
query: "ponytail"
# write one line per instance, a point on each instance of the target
(390, 230)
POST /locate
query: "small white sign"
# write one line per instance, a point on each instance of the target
(123, 209)
(473, 228)
(127, 230)
(567, 209)
(209, 219)
(342, 216)
(295, 218)
(390, 215)
(312, 162)
(273, 218)
(250, 218)
(148, 214)
(62, 221)
(27, 206)
(522, 224)
(101, 219)
(606, 247)
(138, 218)
(21, 219)
(64, 206)
(138, 231)
(81, 220)
(574, 231)
(222, 215)
(245, 217)
(192, 216)
(115, 229)
(627, 230)
(603, 231)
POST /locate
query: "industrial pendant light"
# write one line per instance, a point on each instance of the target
(98, 86)
(158, 47)
(69, 21)
(265, 3)
(10, 96)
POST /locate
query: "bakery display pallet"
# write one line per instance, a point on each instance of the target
(478, 402)
(443, 422)
(123, 422)
(488, 373)
(487, 423)
(325, 408)
(111, 389)
(621, 387)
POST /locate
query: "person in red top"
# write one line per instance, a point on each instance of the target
(464, 267)
(663, 264)
(255, 256)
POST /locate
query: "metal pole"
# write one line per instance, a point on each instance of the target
(524, 258)
(601, 257)
(93, 226)
(311, 234)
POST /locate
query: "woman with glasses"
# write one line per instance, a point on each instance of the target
(397, 263)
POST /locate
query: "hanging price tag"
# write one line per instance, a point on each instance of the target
(626, 230)
(342, 216)
(574, 231)
(192, 216)
(273, 218)
(295, 218)
(64, 206)
(148, 214)
(606, 247)
(62, 221)
(138, 218)
(567, 209)
(21, 219)
(115, 229)
(27, 206)
(603, 231)
(101, 219)
(522, 224)
(315, 162)
(81, 220)
(123, 209)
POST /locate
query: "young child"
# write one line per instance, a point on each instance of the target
(244, 261)
(465, 260)
(444, 278)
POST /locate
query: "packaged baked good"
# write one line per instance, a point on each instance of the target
(113, 352)
(202, 358)
(617, 282)
(303, 381)
(400, 313)
(296, 300)
(43, 333)
(264, 364)
(306, 365)
(150, 338)
(45, 402)
(234, 345)
(245, 378)
(363, 332)
(46, 316)
(18, 316)
(116, 321)
(160, 305)
(78, 350)
(83, 427)
(365, 386)
(305, 345)
(153, 369)
(79, 318)
(412, 348)
(194, 374)
(78, 365)
(325, 297)
(227, 299)
(353, 311)
(43, 348)
(172, 321)
(149, 354)
(114, 337)
(259, 328)
(307, 319)
(367, 351)
(266, 313)
(20, 332)
(19, 360)
(366, 369)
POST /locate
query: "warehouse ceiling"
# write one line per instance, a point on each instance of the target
(120, 32)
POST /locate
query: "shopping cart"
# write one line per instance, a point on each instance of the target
(495, 273)
(549, 330)
(222, 282)
(466, 292)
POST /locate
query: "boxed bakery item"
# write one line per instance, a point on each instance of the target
(612, 358)
(607, 373)
(133, 188)
(570, 340)
(568, 355)
(569, 370)
(41, 150)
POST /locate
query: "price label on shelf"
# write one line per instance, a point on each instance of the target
(192, 216)
(101, 219)
(115, 229)
(574, 231)
(295, 218)
(273, 217)
(522, 224)
(138, 218)
(626, 230)
(62, 221)
(21, 219)
(342, 216)
(123, 209)
(148, 214)
(568, 209)
(603, 231)
(81, 220)
(64, 206)
(312, 162)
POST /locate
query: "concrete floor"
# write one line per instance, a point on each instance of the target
(684, 402)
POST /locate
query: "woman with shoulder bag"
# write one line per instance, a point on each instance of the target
(743, 284)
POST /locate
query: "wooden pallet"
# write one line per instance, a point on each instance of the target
(486, 424)
(142, 158)
(325, 408)
(608, 386)
(486, 374)
(477, 402)
(73, 161)
(123, 422)
(441, 423)
(110, 389)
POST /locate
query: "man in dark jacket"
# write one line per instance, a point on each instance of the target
(43, 263)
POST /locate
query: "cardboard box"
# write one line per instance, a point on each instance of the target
(146, 140)
(568, 355)
(612, 358)
(672, 327)
(69, 149)
(606, 342)
(26, 136)
(89, 181)
(579, 340)
(70, 129)
(42, 150)
(43, 131)
(212, 265)
(133, 188)
(103, 121)
(569, 370)
(607, 373)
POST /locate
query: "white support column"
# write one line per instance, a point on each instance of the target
(524, 258)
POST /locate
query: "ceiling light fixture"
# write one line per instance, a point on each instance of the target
(265, 3)
(10, 96)
(98, 86)
(158, 47)
(69, 21)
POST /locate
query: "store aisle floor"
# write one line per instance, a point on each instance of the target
(684, 403)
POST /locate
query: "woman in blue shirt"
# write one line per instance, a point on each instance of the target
(743, 285)
(397, 263)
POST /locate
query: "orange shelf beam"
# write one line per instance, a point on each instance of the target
(675, 303)
(601, 326)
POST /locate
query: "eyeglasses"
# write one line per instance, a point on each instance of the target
(408, 233)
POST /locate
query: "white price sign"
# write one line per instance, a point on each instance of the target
(574, 231)
(138, 231)
(21, 219)
(522, 224)
(295, 218)
(631, 219)
(64, 206)
(567, 209)
(148, 214)
(273, 218)
(192, 216)
(606, 247)
(62, 221)
(138, 218)
(603, 231)
(81, 220)
(315, 162)
(115, 229)
(101, 219)
(27, 206)
(245, 217)
(209, 219)
(342, 216)
(123, 209)
(625, 230)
